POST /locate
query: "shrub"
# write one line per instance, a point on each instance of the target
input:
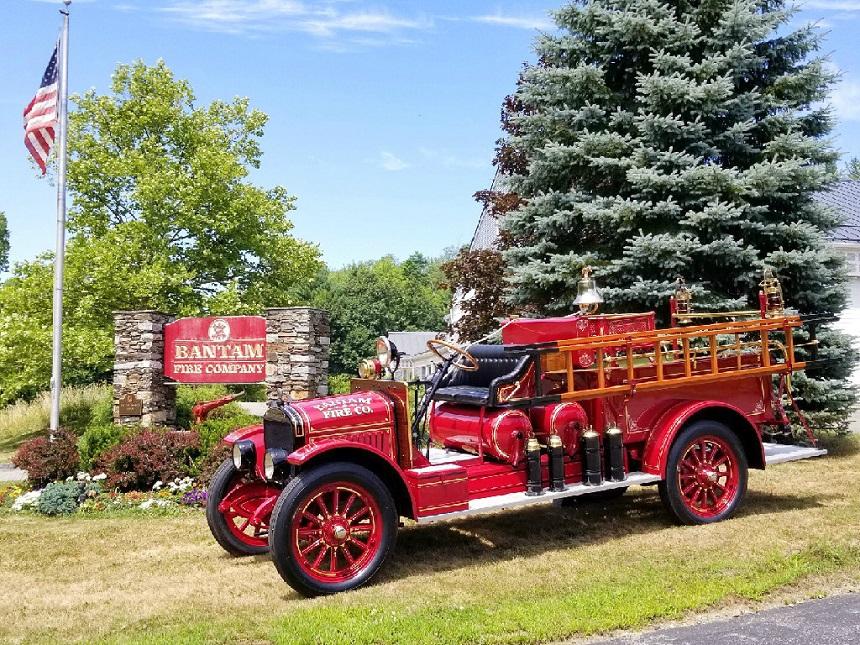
(46, 460)
(97, 439)
(146, 457)
(63, 498)
(213, 430)
(339, 383)
(209, 463)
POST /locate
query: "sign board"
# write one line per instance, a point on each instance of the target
(130, 406)
(218, 349)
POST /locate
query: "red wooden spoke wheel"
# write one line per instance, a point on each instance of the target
(336, 532)
(238, 510)
(706, 474)
(332, 528)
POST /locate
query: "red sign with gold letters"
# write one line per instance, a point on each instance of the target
(218, 349)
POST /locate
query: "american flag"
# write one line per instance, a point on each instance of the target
(40, 117)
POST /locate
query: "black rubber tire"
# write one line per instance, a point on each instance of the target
(218, 488)
(669, 489)
(600, 497)
(286, 506)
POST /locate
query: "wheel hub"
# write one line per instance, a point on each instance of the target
(335, 531)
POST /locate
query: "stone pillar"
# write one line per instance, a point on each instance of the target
(297, 351)
(138, 372)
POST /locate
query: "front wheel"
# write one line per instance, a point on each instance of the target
(332, 528)
(238, 510)
(706, 474)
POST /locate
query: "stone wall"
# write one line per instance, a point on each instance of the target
(297, 344)
(139, 368)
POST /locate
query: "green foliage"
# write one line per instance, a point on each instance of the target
(214, 429)
(80, 407)
(339, 383)
(187, 396)
(4, 243)
(852, 169)
(164, 217)
(370, 299)
(63, 498)
(98, 439)
(653, 140)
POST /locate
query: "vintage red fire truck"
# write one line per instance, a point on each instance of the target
(588, 404)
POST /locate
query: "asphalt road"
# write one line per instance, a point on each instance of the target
(829, 621)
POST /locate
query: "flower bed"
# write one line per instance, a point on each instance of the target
(85, 494)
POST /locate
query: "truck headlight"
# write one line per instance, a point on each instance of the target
(273, 460)
(384, 351)
(243, 454)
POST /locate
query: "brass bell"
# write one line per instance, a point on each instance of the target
(683, 303)
(587, 296)
(773, 294)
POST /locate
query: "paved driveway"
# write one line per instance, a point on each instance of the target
(829, 621)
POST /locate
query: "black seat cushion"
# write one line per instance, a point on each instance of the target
(468, 394)
(496, 366)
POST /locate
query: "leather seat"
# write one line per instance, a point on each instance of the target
(496, 367)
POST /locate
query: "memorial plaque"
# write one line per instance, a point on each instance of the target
(130, 406)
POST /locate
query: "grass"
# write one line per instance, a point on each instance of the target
(26, 419)
(536, 574)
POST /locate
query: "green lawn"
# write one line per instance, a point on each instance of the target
(535, 574)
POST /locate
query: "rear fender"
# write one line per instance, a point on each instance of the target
(255, 434)
(673, 420)
(338, 449)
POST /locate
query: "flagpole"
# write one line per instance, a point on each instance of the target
(60, 254)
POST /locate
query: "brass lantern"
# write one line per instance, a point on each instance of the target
(683, 303)
(773, 294)
(587, 296)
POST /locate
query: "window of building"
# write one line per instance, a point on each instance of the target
(852, 260)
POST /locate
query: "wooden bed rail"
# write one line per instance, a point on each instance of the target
(672, 358)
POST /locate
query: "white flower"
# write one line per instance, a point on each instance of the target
(83, 477)
(159, 503)
(27, 500)
(99, 477)
(70, 478)
(157, 485)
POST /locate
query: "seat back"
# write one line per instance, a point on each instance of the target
(493, 361)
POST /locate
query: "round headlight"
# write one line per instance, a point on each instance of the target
(269, 465)
(237, 456)
(383, 351)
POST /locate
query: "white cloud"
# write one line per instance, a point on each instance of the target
(517, 22)
(325, 19)
(846, 101)
(391, 162)
(449, 160)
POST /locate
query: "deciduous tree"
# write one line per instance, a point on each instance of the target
(163, 216)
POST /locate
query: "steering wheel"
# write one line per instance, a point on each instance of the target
(471, 364)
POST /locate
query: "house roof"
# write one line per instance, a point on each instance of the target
(844, 196)
(412, 342)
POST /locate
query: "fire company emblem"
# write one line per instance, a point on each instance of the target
(219, 331)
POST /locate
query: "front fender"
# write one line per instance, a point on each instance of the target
(321, 446)
(255, 434)
(669, 424)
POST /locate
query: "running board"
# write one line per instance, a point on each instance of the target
(779, 453)
(512, 500)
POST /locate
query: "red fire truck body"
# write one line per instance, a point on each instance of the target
(565, 407)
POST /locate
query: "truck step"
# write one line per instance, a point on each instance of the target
(512, 500)
(779, 453)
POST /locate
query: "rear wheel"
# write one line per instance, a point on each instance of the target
(706, 474)
(332, 528)
(238, 511)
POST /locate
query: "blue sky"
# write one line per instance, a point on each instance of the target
(383, 114)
